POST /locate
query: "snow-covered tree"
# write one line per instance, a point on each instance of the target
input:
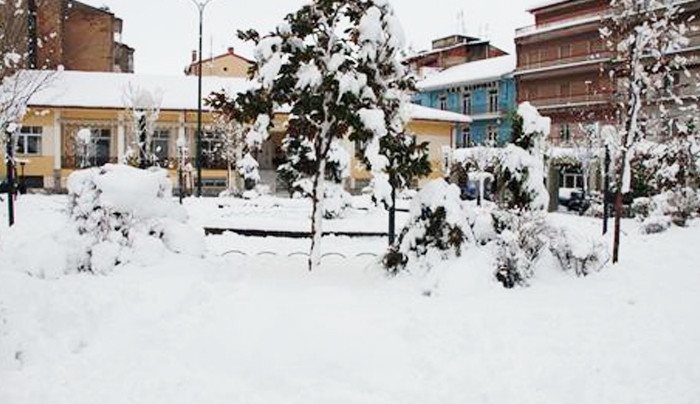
(320, 62)
(19, 81)
(520, 168)
(392, 154)
(228, 137)
(143, 109)
(646, 38)
(437, 228)
(247, 119)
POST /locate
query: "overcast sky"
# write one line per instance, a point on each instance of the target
(164, 32)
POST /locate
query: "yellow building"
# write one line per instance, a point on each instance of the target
(230, 64)
(49, 150)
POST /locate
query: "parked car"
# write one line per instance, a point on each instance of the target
(579, 202)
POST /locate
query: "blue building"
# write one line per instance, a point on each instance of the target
(484, 90)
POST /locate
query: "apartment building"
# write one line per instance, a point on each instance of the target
(563, 63)
(65, 33)
(560, 67)
(451, 51)
(484, 90)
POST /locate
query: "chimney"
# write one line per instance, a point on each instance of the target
(230, 50)
(194, 56)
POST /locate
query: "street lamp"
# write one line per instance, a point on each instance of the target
(200, 6)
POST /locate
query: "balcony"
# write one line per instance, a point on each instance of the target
(574, 100)
(559, 24)
(573, 61)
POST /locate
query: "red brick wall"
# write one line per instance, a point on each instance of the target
(88, 41)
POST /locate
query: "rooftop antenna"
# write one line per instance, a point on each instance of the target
(461, 23)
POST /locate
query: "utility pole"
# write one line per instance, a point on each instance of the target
(10, 165)
(606, 189)
(200, 6)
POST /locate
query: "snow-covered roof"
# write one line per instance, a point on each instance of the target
(74, 89)
(431, 114)
(110, 90)
(469, 73)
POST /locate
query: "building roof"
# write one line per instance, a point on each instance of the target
(545, 3)
(229, 53)
(77, 89)
(470, 73)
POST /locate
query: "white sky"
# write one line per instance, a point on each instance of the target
(164, 32)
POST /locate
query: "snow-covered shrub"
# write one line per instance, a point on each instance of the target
(520, 240)
(655, 224)
(682, 205)
(437, 225)
(575, 252)
(522, 176)
(337, 200)
(643, 207)
(108, 206)
(248, 169)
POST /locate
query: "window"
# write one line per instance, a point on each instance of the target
(565, 90)
(442, 102)
(160, 143)
(29, 140)
(101, 141)
(465, 138)
(572, 179)
(565, 133)
(565, 51)
(492, 134)
(466, 103)
(493, 100)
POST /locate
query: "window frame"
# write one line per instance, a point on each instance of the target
(23, 140)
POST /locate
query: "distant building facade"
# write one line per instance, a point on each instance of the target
(485, 90)
(49, 149)
(562, 65)
(230, 64)
(451, 51)
(66, 33)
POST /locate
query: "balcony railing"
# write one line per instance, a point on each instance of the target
(564, 61)
(572, 100)
(564, 23)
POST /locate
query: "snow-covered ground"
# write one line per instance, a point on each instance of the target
(259, 328)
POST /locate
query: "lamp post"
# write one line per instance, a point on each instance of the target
(200, 6)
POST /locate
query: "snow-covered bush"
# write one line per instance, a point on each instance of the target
(336, 202)
(436, 229)
(671, 207)
(575, 252)
(248, 169)
(521, 239)
(643, 207)
(482, 224)
(110, 205)
(682, 205)
(655, 224)
(522, 175)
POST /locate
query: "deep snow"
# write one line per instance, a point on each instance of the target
(262, 329)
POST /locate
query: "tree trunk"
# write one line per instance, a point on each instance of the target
(317, 216)
(392, 216)
(618, 216)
